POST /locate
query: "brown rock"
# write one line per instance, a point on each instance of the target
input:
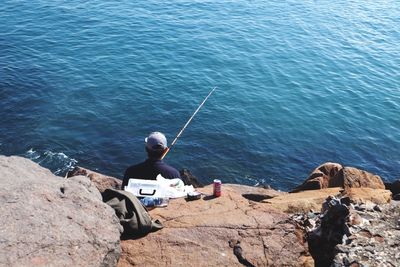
(257, 194)
(321, 177)
(308, 200)
(204, 233)
(364, 195)
(334, 175)
(304, 201)
(353, 177)
(306, 261)
(102, 182)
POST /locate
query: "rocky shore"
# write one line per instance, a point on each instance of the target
(340, 216)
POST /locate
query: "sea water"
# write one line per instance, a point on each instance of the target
(299, 83)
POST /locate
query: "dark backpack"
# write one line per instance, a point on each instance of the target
(131, 213)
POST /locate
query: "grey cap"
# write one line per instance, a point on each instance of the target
(156, 141)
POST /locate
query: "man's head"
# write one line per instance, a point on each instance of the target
(156, 143)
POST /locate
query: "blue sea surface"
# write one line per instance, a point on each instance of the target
(299, 83)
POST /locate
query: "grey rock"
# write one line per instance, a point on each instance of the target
(370, 206)
(361, 207)
(376, 243)
(310, 223)
(342, 248)
(311, 215)
(370, 249)
(361, 234)
(50, 221)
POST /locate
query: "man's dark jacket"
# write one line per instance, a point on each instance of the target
(149, 170)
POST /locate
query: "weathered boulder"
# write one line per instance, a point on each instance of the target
(353, 177)
(334, 175)
(321, 177)
(101, 181)
(226, 231)
(50, 221)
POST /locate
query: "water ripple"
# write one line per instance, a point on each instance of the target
(299, 83)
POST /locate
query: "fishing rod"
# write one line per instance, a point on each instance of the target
(187, 123)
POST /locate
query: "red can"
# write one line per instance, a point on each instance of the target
(217, 188)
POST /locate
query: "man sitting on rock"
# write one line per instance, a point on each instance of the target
(156, 145)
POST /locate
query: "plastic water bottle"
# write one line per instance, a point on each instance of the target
(155, 201)
(161, 201)
(148, 201)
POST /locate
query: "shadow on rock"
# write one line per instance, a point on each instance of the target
(256, 197)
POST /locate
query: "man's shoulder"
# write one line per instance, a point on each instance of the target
(169, 171)
(134, 168)
(150, 168)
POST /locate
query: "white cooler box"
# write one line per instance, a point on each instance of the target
(145, 188)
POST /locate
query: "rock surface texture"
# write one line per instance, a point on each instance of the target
(367, 195)
(321, 177)
(348, 233)
(50, 221)
(101, 181)
(335, 175)
(353, 177)
(230, 230)
(374, 237)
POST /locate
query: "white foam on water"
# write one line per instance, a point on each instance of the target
(32, 154)
(57, 162)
